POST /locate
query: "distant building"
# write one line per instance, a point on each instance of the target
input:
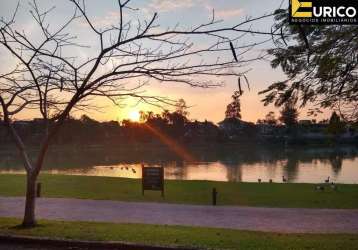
(23, 123)
(230, 124)
(235, 128)
(266, 129)
(305, 122)
(201, 131)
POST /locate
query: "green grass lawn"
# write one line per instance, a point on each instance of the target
(187, 192)
(180, 236)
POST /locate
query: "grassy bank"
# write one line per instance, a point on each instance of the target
(180, 236)
(187, 192)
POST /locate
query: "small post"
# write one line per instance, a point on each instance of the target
(142, 165)
(162, 179)
(38, 190)
(214, 194)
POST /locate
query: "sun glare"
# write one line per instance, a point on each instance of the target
(134, 116)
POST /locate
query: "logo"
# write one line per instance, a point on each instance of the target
(296, 5)
(323, 11)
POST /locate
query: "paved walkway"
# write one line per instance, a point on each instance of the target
(289, 220)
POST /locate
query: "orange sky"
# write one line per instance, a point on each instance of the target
(207, 104)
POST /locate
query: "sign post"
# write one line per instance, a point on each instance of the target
(153, 179)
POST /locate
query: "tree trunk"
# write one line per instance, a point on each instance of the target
(29, 217)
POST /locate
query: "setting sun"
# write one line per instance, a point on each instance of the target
(134, 116)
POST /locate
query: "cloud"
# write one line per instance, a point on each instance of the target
(225, 13)
(169, 5)
(111, 18)
(228, 13)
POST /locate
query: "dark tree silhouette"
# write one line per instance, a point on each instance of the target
(321, 65)
(335, 125)
(270, 118)
(49, 77)
(233, 109)
(182, 108)
(289, 114)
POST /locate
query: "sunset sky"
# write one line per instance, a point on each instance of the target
(207, 104)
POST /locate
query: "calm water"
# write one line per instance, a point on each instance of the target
(300, 164)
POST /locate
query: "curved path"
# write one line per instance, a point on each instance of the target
(285, 220)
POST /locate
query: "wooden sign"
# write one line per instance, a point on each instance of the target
(153, 179)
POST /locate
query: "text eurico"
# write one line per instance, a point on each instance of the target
(323, 12)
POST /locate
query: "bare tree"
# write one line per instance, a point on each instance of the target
(49, 79)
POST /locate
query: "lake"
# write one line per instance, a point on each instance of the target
(308, 164)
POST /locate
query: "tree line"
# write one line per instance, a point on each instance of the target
(153, 127)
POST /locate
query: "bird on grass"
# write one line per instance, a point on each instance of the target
(327, 180)
(284, 178)
(259, 180)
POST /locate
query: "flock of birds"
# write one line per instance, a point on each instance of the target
(284, 180)
(271, 181)
(332, 185)
(126, 168)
